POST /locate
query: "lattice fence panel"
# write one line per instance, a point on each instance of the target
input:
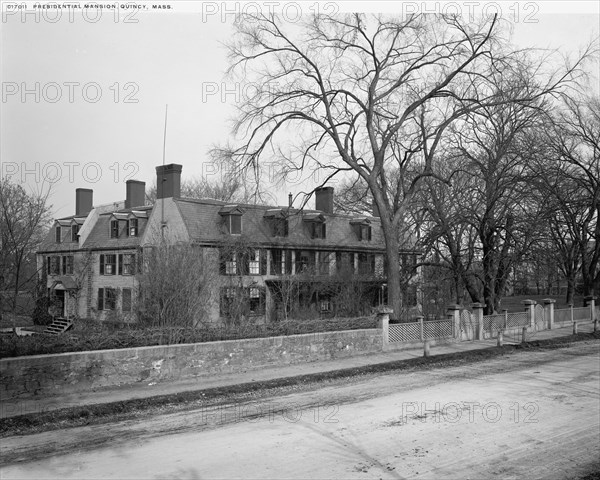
(581, 313)
(518, 319)
(493, 323)
(562, 316)
(404, 332)
(437, 329)
(467, 320)
(540, 318)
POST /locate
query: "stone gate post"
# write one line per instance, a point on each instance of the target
(478, 312)
(591, 301)
(383, 318)
(549, 311)
(530, 309)
(453, 313)
(420, 320)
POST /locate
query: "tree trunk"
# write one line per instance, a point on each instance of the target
(570, 290)
(393, 273)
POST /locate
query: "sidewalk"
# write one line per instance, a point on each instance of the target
(16, 407)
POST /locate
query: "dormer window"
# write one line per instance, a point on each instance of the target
(232, 219)
(114, 229)
(278, 222)
(317, 230)
(316, 225)
(234, 224)
(363, 230)
(133, 227)
(58, 234)
(75, 233)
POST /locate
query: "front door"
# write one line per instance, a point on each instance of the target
(61, 303)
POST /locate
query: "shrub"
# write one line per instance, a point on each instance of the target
(40, 315)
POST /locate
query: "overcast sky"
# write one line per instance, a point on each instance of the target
(96, 116)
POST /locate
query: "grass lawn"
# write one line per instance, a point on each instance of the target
(513, 304)
(19, 320)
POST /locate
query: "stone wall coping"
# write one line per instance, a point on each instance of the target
(548, 300)
(529, 302)
(125, 351)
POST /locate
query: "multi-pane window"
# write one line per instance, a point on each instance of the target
(57, 233)
(126, 300)
(365, 233)
(344, 262)
(249, 262)
(233, 224)
(366, 263)
(281, 261)
(53, 264)
(256, 302)
(280, 227)
(228, 296)
(254, 262)
(317, 230)
(325, 305)
(231, 265)
(75, 233)
(324, 262)
(127, 264)
(67, 265)
(108, 264)
(246, 301)
(114, 229)
(305, 261)
(107, 298)
(133, 227)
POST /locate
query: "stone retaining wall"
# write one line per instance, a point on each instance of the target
(37, 375)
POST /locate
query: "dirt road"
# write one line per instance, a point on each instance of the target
(532, 415)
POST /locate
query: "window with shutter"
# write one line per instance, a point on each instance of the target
(100, 299)
(114, 229)
(126, 300)
(74, 233)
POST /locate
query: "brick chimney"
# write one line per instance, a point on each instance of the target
(168, 181)
(324, 199)
(136, 193)
(83, 201)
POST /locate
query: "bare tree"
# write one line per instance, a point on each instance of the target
(175, 285)
(372, 95)
(23, 221)
(569, 180)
